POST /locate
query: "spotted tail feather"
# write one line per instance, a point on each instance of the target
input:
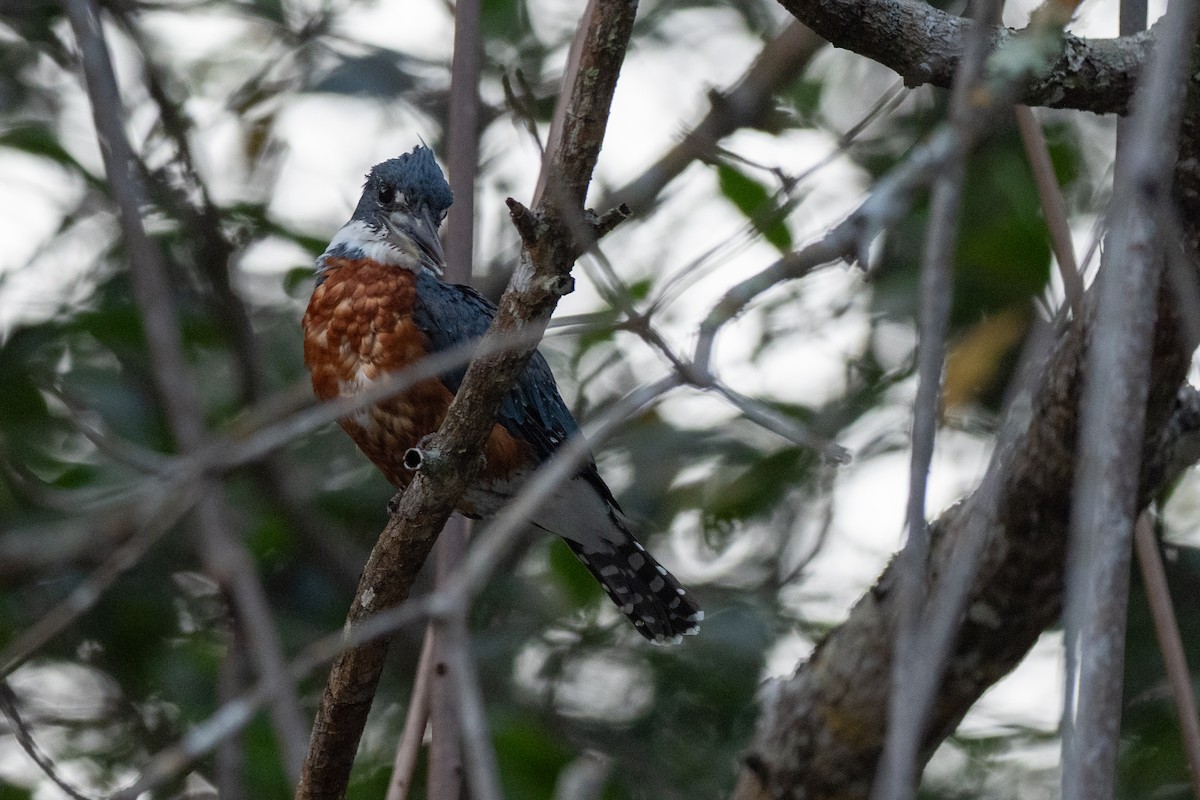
(646, 593)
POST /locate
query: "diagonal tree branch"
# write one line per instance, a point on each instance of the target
(224, 557)
(542, 277)
(820, 731)
(416, 720)
(504, 534)
(1170, 643)
(1022, 507)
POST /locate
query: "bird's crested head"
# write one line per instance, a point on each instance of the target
(396, 220)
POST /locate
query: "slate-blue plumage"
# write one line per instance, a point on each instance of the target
(379, 306)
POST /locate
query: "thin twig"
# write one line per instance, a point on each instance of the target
(173, 490)
(1054, 207)
(483, 775)
(159, 517)
(415, 723)
(1166, 628)
(230, 760)
(212, 251)
(462, 139)
(445, 771)
(718, 255)
(778, 423)
(748, 103)
(24, 737)
(908, 706)
(1023, 54)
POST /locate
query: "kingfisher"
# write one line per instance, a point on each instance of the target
(379, 306)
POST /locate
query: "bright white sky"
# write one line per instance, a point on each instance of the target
(328, 143)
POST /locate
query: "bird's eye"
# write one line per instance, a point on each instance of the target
(386, 195)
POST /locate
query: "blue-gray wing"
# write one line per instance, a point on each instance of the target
(450, 314)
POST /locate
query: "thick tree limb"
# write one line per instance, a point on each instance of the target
(542, 277)
(821, 730)
(923, 45)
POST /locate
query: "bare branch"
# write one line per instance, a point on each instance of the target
(224, 556)
(462, 139)
(24, 737)
(1017, 523)
(767, 417)
(230, 760)
(1105, 501)
(1019, 519)
(1054, 207)
(480, 757)
(581, 116)
(446, 775)
(849, 239)
(445, 771)
(415, 723)
(159, 515)
(917, 668)
(893, 194)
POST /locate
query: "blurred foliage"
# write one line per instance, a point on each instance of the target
(82, 433)
(754, 201)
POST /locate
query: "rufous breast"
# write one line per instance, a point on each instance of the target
(359, 328)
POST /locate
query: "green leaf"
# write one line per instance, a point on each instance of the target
(379, 75)
(10, 792)
(1003, 253)
(571, 576)
(758, 489)
(22, 400)
(757, 204)
(530, 758)
(805, 95)
(39, 140)
(640, 290)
